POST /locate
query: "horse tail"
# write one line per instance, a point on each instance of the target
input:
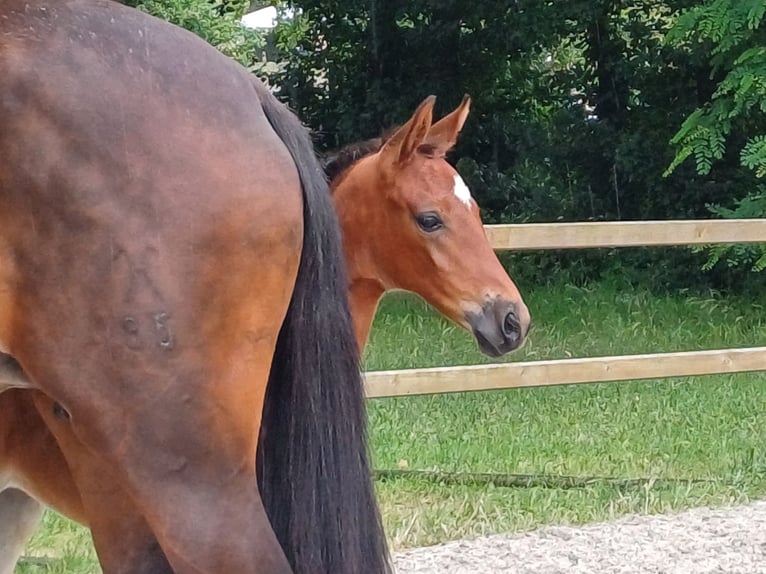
(313, 468)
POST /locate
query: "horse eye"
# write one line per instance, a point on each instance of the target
(429, 222)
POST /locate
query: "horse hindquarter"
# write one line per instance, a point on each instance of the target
(152, 266)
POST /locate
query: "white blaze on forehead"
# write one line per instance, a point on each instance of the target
(461, 191)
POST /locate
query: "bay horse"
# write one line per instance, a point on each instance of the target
(171, 281)
(366, 188)
(409, 222)
(466, 282)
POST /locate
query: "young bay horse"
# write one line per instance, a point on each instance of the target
(409, 222)
(372, 269)
(168, 247)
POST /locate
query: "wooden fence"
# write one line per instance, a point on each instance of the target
(589, 369)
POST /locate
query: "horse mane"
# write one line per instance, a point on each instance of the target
(335, 163)
(338, 161)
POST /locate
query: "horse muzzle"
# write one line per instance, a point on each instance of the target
(500, 327)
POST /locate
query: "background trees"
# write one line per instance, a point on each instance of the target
(583, 110)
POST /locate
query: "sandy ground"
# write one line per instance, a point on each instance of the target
(699, 541)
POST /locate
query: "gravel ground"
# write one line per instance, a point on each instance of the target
(699, 541)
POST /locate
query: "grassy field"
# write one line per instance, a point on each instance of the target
(709, 428)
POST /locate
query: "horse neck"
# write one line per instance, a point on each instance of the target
(364, 296)
(356, 215)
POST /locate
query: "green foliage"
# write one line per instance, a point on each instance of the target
(217, 21)
(754, 155)
(574, 103)
(749, 256)
(732, 34)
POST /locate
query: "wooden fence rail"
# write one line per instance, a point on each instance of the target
(563, 372)
(625, 233)
(589, 369)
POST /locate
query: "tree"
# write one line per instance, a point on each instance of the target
(574, 103)
(732, 33)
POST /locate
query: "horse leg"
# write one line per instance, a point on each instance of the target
(19, 513)
(171, 402)
(19, 516)
(203, 509)
(32, 458)
(123, 540)
(11, 375)
(31, 462)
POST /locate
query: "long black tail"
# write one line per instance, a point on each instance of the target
(313, 468)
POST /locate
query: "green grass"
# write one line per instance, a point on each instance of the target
(701, 427)
(60, 547)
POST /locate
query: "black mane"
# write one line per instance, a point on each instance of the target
(336, 162)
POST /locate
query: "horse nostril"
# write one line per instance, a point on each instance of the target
(512, 326)
(500, 326)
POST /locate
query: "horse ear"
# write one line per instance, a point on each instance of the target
(406, 140)
(443, 134)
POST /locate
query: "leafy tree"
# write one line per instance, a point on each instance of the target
(574, 103)
(732, 33)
